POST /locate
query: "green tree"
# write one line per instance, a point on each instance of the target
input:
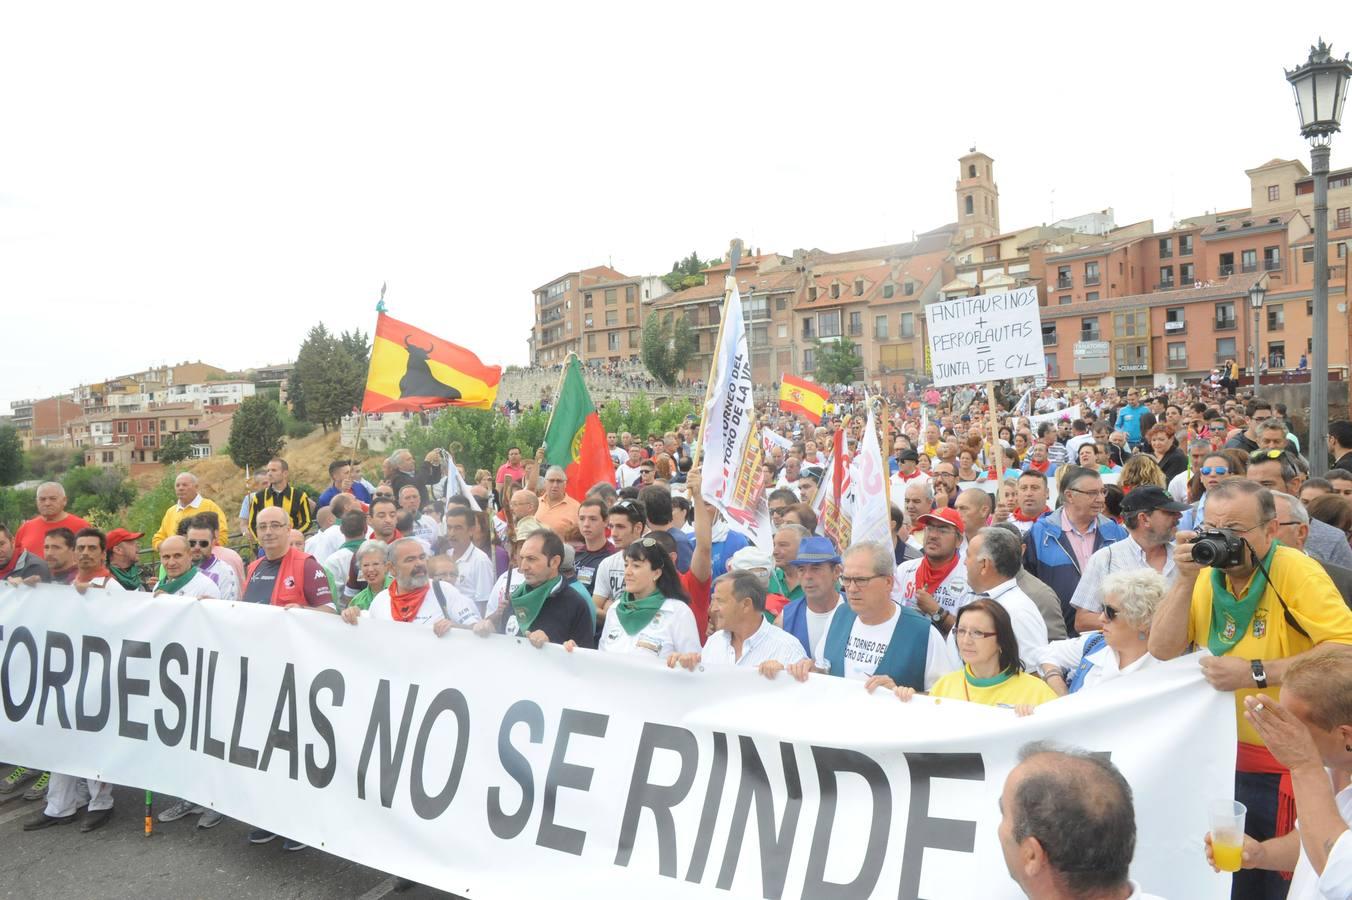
(838, 362)
(91, 489)
(329, 376)
(667, 343)
(256, 434)
(11, 455)
(612, 416)
(641, 420)
(17, 506)
(47, 463)
(176, 447)
(147, 510)
(688, 272)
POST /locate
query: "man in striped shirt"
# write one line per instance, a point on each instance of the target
(744, 639)
(279, 492)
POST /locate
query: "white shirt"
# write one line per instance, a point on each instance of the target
(626, 475)
(323, 544)
(1104, 665)
(1074, 443)
(766, 643)
(953, 593)
(461, 610)
(474, 576)
(868, 643)
(338, 564)
(1029, 627)
(609, 579)
(1122, 556)
(222, 576)
(1336, 881)
(497, 597)
(199, 586)
(619, 456)
(1138, 894)
(818, 624)
(672, 630)
(900, 484)
(1178, 486)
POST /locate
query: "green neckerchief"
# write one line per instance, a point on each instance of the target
(635, 614)
(174, 585)
(527, 600)
(1230, 615)
(364, 596)
(779, 585)
(986, 682)
(352, 545)
(128, 578)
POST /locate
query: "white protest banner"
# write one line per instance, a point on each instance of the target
(870, 518)
(985, 338)
(489, 768)
(732, 450)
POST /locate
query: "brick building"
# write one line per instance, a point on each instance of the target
(43, 421)
(596, 313)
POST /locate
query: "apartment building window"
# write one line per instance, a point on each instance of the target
(1049, 334)
(1226, 265)
(1277, 354)
(811, 294)
(907, 325)
(612, 317)
(1049, 360)
(1187, 273)
(1178, 355)
(859, 287)
(610, 296)
(856, 324)
(888, 291)
(1089, 329)
(880, 327)
(759, 335)
(1225, 350)
(629, 294)
(1309, 308)
(613, 340)
(587, 320)
(568, 326)
(1166, 248)
(1274, 193)
(782, 330)
(1248, 260)
(896, 357)
(1272, 259)
(1225, 316)
(1091, 273)
(591, 343)
(756, 309)
(1091, 296)
(1276, 317)
(828, 323)
(809, 328)
(107, 456)
(1063, 300)
(1063, 278)
(908, 289)
(780, 303)
(809, 359)
(1130, 358)
(586, 301)
(784, 358)
(1185, 245)
(1166, 277)
(629, 315)
(1130, 324)
(1175, 321)
(1344, 217)
(835, 290)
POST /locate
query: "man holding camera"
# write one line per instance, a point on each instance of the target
(1257, 606)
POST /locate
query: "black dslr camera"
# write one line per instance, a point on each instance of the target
(1220, 548)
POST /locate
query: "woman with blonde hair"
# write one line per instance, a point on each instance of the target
(1141, 469)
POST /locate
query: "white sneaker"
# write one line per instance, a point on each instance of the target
(179, 810)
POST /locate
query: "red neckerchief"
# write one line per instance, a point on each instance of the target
(403, 607)
(1020, 517)
(929, 578)
(1035, 466)
(101, 573)
(916, 474)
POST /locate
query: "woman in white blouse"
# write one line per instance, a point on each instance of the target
(1129, 603)
(651, 616)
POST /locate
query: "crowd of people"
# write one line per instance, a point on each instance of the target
(1090, 536)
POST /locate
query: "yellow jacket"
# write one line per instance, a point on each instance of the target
(172, 515)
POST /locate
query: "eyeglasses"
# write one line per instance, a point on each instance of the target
(1293, 522)
(199, 543)
(972, 633)
(1111, 612)
(859, 581)
(272, 526)
(1215, 470)
(1101, 492)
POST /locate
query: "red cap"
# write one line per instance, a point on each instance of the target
(943, 516)
(118, 535)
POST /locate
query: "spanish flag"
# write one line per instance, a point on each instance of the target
(412, 370)
(802, 397)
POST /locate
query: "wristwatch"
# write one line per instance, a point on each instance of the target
(937, 616)
(1259, 673)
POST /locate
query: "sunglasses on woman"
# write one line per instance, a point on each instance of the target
(1111, 612)
(1215, 470)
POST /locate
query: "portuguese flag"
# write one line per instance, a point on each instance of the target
(412, 370)
(575, 439)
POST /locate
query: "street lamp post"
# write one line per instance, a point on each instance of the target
(1257, 291)
(1320, 86)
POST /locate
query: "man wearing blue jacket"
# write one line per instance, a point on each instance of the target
(1057, 546)
(1129, 418)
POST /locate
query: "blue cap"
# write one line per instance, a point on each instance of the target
(816, 549)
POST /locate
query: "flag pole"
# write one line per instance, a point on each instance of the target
(734, 256)
(361, 406)
(997, 452)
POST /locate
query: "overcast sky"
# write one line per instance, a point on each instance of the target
(179, 181)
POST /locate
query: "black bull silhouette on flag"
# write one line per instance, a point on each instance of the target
(418, 380)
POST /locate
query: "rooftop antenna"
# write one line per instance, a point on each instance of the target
(1052, 200)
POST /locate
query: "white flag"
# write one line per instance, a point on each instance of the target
(452, 483)
(732, 450)
(870, 519)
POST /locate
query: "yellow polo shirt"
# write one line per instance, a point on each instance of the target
(172, 515)
(1314, 602)
(1021, 689)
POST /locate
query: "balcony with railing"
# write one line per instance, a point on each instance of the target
(1175, 362)
(1225, 270)
(1092, 280)
(1165, 285)
(1226, 324)
(1049, 340)
(1247, 268)
(1166, 254)
(1173, 328)
(1065, 283)
(1272, 264)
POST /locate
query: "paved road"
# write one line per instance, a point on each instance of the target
(177, 861)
